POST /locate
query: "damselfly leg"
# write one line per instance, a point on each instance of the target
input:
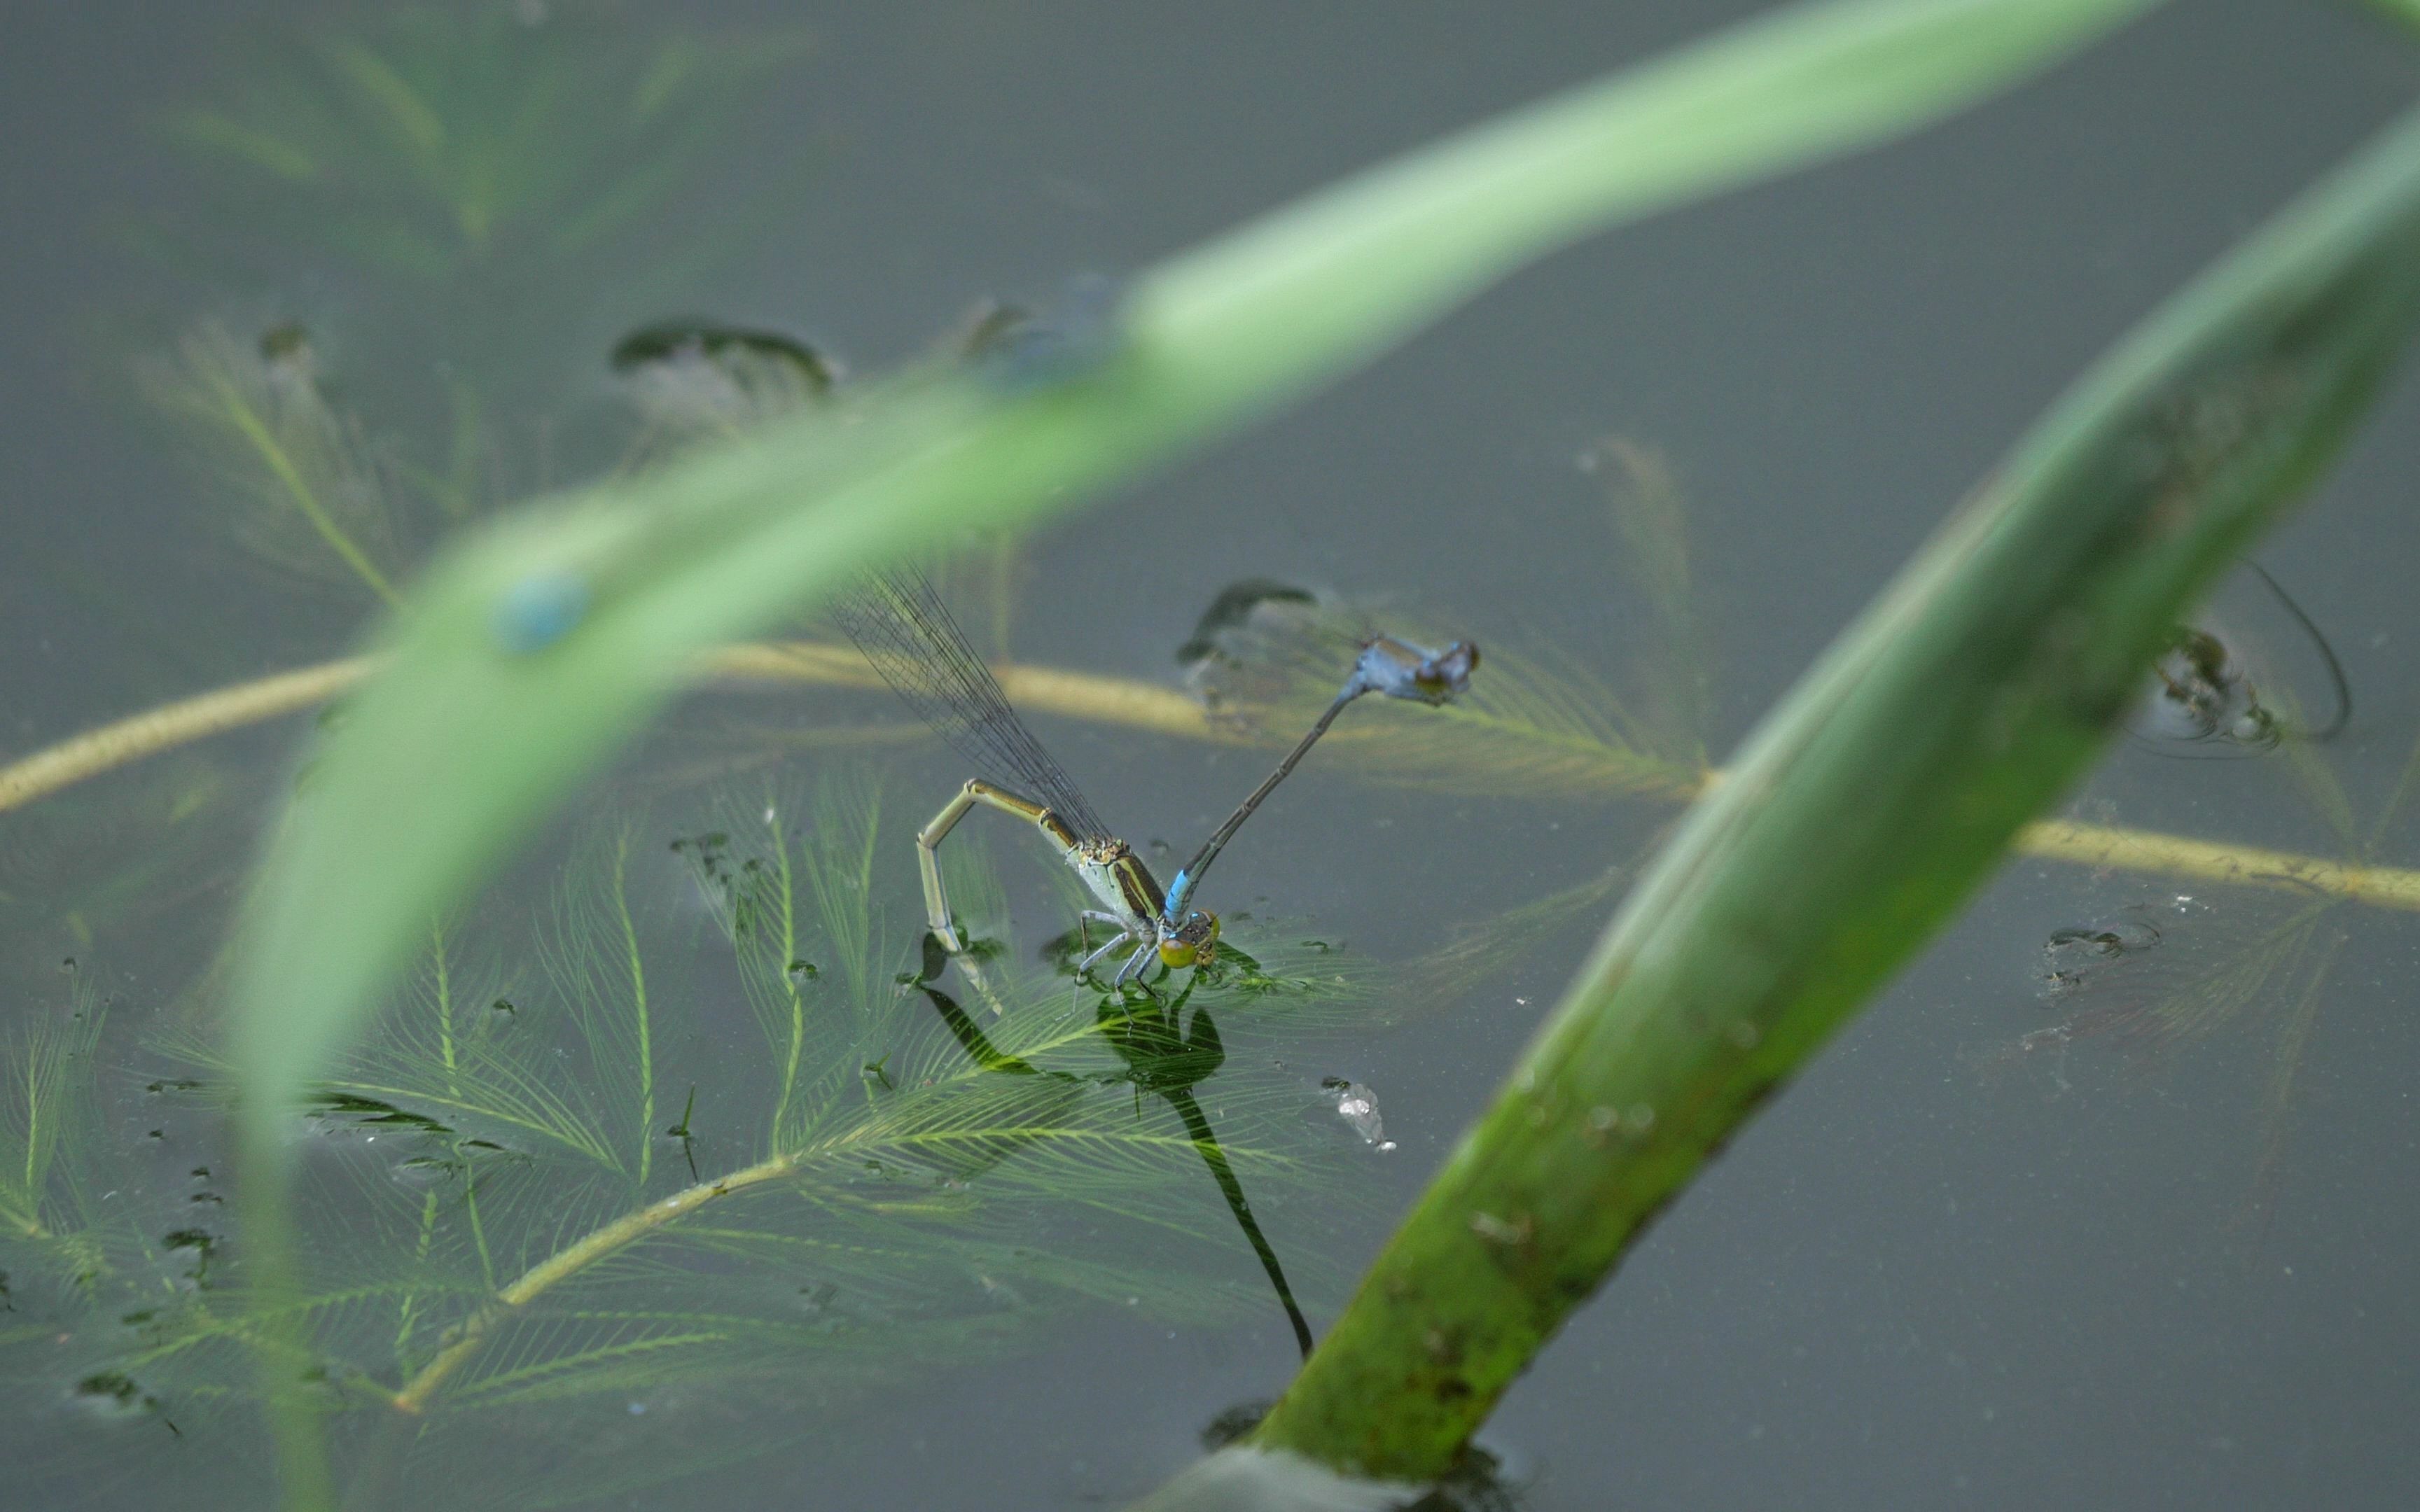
(1084, 967)
(928, 842)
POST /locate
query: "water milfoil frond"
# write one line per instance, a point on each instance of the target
(313, 497)
(45, 1109)
(1673, 664)
(594, 1151)
(1267, 659)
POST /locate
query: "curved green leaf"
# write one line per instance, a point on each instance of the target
(1866, 808)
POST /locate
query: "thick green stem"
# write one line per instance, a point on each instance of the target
(1866, 808)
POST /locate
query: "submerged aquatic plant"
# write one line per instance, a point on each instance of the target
(1886, 786)
(483, 169)
(1545, 722)
(2165, 971)
(1533, 725)
(595, 1165)
(432, 141)
(1238, 326)
(311, 494)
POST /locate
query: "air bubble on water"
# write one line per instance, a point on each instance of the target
(1358, 1105)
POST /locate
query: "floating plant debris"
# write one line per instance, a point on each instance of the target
(201, 1241)
(370, 1110)
(693, 375)
(288, 344)
(1249, 623)
(421, 1172)
(113, 1393)
(2072, 954)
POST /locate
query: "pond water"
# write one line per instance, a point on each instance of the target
(2095, 1204)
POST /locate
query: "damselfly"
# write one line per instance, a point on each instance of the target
(908, 635)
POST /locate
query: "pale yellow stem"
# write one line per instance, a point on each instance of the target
(2202, 860)
(1109, 700)
(629, 1229)
(1139, 705)
(171, 725)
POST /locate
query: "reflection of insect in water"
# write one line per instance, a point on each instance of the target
(2204, 697)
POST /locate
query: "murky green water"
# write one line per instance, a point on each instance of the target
(2129, 1233)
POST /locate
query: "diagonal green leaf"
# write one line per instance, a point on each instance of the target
(1864, 809)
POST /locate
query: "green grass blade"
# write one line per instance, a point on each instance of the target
(460, 744)
(1863, 810)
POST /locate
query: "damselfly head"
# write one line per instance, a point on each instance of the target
(1194, 942)
(1401, 669)
(1447, 674)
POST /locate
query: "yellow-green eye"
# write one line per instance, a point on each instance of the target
(1194, 944)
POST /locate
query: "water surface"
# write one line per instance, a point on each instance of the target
(1944, 1268)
